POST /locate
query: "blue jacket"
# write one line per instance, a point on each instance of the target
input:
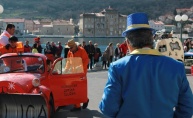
(146, 84)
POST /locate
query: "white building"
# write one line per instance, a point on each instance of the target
(58, 27)
(19, 25)
(108, 22)
(157, 25)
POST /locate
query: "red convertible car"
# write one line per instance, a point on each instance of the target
(32, 87)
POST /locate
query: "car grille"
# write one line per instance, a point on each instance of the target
(188, 57)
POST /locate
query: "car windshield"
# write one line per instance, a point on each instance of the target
(21, 64)
(190, 50)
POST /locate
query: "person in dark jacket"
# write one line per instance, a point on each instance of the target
(97, 53)
(90, 52)
(84, 46)
(66, 49)
(59, 49)
(118, 54)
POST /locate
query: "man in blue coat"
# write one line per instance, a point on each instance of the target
(146, 84)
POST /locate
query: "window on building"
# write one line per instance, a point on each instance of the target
(111, 29)
(111, 33)
(120, 31)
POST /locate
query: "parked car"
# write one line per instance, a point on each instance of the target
(30, 86)
(188, 58)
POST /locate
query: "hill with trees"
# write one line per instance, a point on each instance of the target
(65, 9)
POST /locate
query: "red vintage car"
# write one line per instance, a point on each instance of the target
(30, 86)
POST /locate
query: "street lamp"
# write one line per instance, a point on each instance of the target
(1, 9)
(180, 19)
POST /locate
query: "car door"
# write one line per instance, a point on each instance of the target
(68, 81)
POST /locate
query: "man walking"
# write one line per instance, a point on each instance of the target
(142, 85)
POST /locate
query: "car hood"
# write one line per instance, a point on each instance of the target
(188, 54)
(17, 82)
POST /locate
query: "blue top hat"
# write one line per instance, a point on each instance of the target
(137, 21)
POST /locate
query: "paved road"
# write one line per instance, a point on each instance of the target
(96, 83)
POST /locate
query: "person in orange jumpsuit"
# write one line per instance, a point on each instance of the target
(77, 51)
(12, 47)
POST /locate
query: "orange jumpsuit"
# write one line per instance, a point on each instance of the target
(17, 49)
(80, 53)
(11, 61)
(85, 60)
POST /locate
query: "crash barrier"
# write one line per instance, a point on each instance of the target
(22, 106)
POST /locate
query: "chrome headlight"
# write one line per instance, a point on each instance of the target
(36, 82)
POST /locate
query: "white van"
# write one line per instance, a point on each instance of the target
(171, 47)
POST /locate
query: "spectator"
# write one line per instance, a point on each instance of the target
(104, 60)
(90, 49)
(39, 47)
(59, 50)
(97, 53)
(110, 53)
(118, 54)
(124, 49)
(185, 49)
(66, 49)
(27, 48)
(146, 90)
(34, 48)
(84, 46)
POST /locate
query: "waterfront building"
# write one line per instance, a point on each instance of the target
(108, 22)
(19, 25)
(157, 25)
(58, 27)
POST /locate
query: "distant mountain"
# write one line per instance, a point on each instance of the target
(65, 9)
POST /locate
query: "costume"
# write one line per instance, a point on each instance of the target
(4, 38)
(139, 84)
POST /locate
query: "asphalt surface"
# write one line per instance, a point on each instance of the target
(96, 83)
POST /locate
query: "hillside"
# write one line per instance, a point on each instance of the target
(65, 9)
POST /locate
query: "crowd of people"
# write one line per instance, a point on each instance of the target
(188, 44)
(53, 51)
